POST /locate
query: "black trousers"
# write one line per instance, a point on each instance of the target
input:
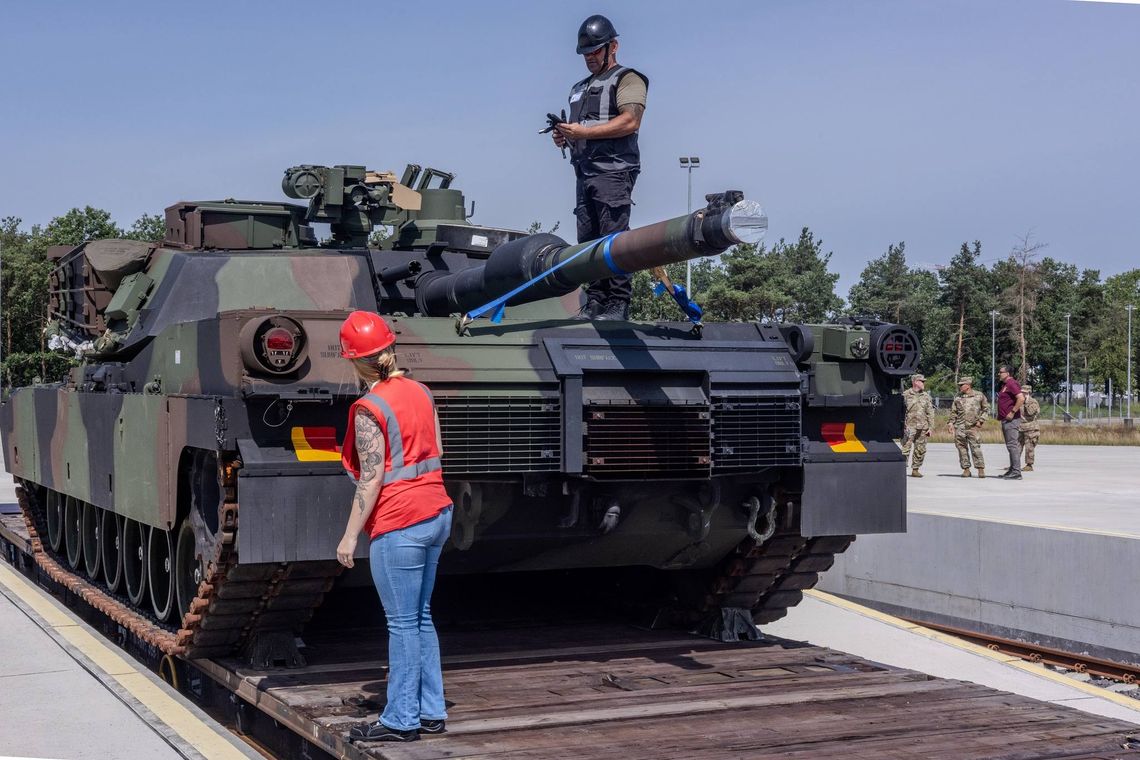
(602, 207)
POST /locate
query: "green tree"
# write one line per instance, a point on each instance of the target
(148, 227)
(77, 226)
(966, 297)
(884, 287)
(1105, 344)
(789, 283)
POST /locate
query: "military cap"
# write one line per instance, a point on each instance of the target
(964, 379)
(919, 377)
(1027, 388)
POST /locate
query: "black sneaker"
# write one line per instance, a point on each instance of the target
(378, 732)
(616, 311)
(589, 311)
(428, 726)
(1011, 475)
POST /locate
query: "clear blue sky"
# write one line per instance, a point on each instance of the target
(868, 121)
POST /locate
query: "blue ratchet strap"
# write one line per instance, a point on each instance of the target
(499, 306)
(691, 309)
(610, 259)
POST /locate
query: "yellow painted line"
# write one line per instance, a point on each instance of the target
(945, 638)
(167, 709)
(1027, 524)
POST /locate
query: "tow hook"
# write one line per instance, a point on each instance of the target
(753, 506)
(611, 517)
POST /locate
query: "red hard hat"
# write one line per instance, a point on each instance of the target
(364, 334)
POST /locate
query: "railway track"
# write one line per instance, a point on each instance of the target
(1094, 666)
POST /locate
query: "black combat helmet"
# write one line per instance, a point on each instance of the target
(594, 32)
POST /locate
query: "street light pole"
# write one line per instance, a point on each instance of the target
(1129, 308)
(993, 360)
(1068, 385)
(689, 163)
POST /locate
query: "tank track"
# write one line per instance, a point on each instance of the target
(253, 610)
(768, 577)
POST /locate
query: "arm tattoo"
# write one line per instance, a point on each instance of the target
(370, 450)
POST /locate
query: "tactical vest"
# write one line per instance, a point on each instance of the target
(412, 487)
(594, 101)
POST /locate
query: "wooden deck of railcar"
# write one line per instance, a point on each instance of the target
(601, 691)
(611, 691)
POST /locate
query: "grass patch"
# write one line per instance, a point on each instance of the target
(1068, 433)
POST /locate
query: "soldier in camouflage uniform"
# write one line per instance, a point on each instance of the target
(967, 415)
(919, 420)
(1030, 432)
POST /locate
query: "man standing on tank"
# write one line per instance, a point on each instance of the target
(601, 132)
(1009, 402)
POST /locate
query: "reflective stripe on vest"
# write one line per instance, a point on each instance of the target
(401, 471)
(610, 154)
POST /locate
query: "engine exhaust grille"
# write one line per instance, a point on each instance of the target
(497, 434)
(755, 431)
(624, 439)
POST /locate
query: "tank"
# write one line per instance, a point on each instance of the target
(185, 476)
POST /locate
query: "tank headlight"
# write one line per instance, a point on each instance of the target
(274, 345)
(895, 349)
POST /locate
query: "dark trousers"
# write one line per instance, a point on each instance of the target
(1011, 430)
(602, 207)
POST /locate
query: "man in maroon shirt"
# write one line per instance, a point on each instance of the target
(1009, 401)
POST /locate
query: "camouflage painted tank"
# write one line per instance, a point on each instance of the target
(185, 477)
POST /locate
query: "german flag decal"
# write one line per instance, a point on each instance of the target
(840, 436)
(315, 444)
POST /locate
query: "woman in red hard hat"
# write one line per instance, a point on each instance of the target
(392, 448)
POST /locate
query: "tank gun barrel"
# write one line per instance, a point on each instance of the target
(545, 266)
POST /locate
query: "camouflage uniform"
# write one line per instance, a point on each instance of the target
(919, 420)
(967, 414)
(1030, 427)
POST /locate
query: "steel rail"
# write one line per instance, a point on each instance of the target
(1081, 663)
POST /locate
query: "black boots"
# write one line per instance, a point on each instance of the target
(607, 311)
(617, 311)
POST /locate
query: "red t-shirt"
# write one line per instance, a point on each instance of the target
(1007, 398)
(412, 490)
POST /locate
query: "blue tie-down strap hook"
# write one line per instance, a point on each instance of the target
(691, 309)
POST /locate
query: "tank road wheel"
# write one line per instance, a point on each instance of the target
(72, 517)
(134, 560)
(110, 541)
(188, 569)
(91, 545)
(160, 561)
(55, 519)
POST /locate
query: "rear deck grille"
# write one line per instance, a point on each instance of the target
(755, 431)
(624, 439)
(485, 434)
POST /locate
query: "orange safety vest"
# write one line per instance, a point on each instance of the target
(412, 489)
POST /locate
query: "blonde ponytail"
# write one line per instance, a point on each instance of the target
(377, 368)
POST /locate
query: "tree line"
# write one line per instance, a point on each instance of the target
(1024, 295)
(1022, 298)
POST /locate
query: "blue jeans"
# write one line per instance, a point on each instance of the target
(403, 568)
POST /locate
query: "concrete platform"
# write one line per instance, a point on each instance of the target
(826, 620)
(66, 693)
(1053, 559)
